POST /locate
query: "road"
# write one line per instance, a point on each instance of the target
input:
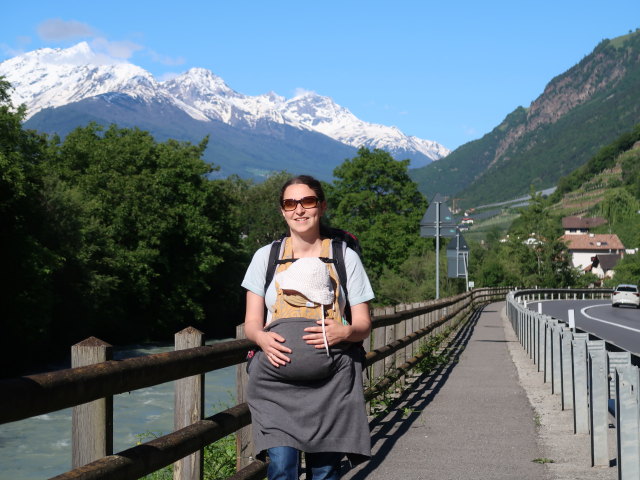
(620, 326)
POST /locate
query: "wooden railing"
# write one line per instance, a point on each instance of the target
(392, 350)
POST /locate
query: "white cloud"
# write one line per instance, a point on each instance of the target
(164, 59)
(55, 29)
(122, 50)
(470, 131)
(167, 76)
(301, 92)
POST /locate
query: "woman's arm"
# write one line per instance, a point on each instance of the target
(269, 342)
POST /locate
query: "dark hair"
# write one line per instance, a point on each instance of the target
(307, 180)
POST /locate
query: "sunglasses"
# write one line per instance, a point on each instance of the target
(289, 204)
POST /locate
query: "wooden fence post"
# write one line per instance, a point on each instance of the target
(379, 337)
(244, 437)
(189, 406)
(416, 320)
(390, 336)
(91, 423)
(401, 354)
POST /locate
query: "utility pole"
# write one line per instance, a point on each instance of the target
(437, 222)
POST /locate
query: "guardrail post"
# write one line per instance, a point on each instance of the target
(548, 351)
(627, 420)
(189, 406)
(540, 343)
(598, 402)
(531, 329)
(556, 358)
(91, 423)
(567, 377)
(580, 382)
(616, 359)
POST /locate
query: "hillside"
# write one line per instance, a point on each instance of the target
(579, 111)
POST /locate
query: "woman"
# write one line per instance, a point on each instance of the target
(305, 382)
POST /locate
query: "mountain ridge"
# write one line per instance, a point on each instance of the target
(579, 111)
(56, 78)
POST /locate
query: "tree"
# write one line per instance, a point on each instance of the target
(374, 198)
(265, 223)
(27, 260)
(156, 232)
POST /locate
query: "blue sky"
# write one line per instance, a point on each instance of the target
(448, 71)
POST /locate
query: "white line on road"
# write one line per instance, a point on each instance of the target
(605, 321)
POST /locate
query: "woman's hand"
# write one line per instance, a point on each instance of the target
(272, 345)
(336, 333)
(270, 342)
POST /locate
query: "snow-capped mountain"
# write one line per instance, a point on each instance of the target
(50, 79)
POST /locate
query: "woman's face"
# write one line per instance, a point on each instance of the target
(303, 220)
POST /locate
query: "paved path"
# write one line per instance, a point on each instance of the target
(470, 419)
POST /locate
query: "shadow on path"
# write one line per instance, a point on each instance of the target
(387, 429)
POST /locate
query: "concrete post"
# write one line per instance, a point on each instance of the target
(598, 402)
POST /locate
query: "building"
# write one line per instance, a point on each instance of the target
(579, 225)
(603, 265)
(583, 247)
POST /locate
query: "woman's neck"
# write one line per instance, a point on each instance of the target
(306, 246)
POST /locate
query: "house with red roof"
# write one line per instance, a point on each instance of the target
(584, 247)
(581, 225)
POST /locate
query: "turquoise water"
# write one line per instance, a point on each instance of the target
(40, 447)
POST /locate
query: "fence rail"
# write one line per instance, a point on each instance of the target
(392, 350)
(592, 377)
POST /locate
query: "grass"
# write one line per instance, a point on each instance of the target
(219, 459)
(480, 229)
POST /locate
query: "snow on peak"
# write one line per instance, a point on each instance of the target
(55, 77)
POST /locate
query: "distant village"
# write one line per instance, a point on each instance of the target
(598, 253)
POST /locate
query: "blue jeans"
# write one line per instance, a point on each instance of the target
(284, 464)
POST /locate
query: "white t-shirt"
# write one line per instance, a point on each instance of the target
(358, 284)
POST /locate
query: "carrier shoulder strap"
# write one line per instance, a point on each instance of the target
(274, 257)
(338, 248)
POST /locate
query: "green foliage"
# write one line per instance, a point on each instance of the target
(531, 256)
(154, 231)
(373, 197)
(627, 271)
(28, 259)
(432, 355)
(110, 234)
(219, 460)
(265, 222)
(605, 158)
(415, 280)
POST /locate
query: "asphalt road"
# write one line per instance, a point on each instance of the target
(620, 326)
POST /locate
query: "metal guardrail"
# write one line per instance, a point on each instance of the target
(592, 377)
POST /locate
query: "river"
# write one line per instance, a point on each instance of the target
(40, 447)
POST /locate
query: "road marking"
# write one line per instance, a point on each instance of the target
(605, 321)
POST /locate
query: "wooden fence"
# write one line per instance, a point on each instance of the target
(89, 386)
